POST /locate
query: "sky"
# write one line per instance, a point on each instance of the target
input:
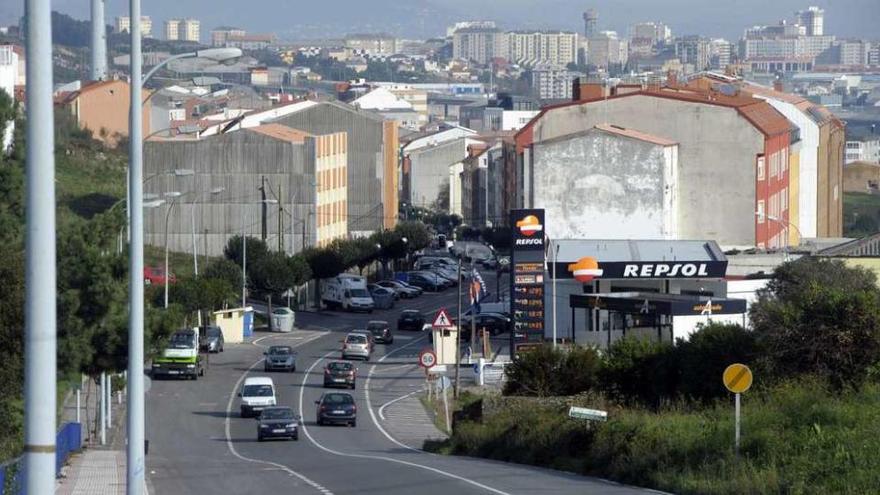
(299, 19)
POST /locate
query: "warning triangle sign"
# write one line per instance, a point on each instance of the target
(442, 320)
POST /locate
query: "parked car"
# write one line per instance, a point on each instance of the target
(403, 290)
(257, 393)
(340, 374)
(427, 282)
(381, 332)
(356, 344)
(156, 275)
(444, 281)
(280, 357)
(410, 320)
(376, 287)
(495, 323)
(336, 407)
(383, 298)
(211, 339)
(451, 276)
(278, 422)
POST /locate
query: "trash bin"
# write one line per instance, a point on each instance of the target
(282, 319)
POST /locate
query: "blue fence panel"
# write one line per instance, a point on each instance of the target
(11, 477)
(67, 441)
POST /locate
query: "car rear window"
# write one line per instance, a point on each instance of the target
(257, 391)
(356, 339)
(340, 366)
(338, 399)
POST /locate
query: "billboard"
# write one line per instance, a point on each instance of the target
(527, 278)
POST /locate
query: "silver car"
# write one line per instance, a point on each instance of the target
(357, 345)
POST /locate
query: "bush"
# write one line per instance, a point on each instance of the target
(638, 371)
(225, 270)
(709, 351)
(546, 371)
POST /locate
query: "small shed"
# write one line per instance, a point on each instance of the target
(235, 323)
(444, 344)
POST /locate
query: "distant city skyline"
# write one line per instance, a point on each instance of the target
(429, 18)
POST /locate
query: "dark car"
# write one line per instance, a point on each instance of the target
(211, 339)
(278, 422)
(411, 320)
(336, 407)
(340, 374)
(495, 323)
(381, 332)
(280, 357)
(428, 281)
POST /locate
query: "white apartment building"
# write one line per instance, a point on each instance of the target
(539, 47)
(123, 25)
(480, 45)
(553, 83)
(657, 32)
(607, 49)
(863, 151)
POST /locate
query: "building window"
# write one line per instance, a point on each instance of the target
(761, 168)
(784, 159)
(761, 211)
(783, 201)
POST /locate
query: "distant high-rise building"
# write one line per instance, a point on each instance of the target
(553, 82)
(536, 48)
(172, 29)
(450, 30)
(605, 50)
(693, 50)
(591, 23)
(657, 32)
(221, 34)
(480, 45)
(123, 25)
(192, 30)
(813, 19)
(720, 53)
(182, 29)
(372, 44)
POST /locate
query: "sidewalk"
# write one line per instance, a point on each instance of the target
(98, 469)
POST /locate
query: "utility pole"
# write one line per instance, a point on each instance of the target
(99, 42)
(458, 336)
(244, 262)
(280, 221)
(263, 208)
(40, 279)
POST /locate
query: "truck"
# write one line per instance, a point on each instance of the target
(180, 357)
(347, 291)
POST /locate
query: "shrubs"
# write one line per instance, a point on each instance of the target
(546, 371)
(708, 352)
(639, 372)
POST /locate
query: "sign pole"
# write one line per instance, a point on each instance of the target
(458, 336)
(736, 435)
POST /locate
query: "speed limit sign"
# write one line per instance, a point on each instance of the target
(427, 359)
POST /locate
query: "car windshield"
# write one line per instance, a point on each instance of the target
(280, 350)
(410, 314)
(356, 339)
(340, 366)
(359, 293)
(257, 391)
(280, 413)
(213, 332)
(338, 399)
(182, 340)
(373, 327)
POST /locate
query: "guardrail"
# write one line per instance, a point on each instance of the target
(67, 441)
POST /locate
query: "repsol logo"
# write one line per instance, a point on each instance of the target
(666, 270)
(537, 241)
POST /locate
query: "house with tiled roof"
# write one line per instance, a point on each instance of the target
(102, 108)
(731, 176)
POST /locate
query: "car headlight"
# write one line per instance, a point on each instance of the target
(290, 425)
(264, 426)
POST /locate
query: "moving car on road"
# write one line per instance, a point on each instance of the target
(257, 393)
(410, 320)
(383, 298)
(211, 339)
(280, 357)
(405, 291)
(181, 357)
(381, 332)
(336, 407)
(340, 374)
(278, 422)
(357, 345)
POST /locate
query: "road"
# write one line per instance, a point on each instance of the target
(199, 444)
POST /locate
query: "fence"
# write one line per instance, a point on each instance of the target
(67, 441)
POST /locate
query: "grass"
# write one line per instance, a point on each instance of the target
(861, 214)
(797, 438)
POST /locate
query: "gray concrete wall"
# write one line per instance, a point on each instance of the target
(429, 170)
(601, 185)
(717, 154)
(365, 155)
(235, 162)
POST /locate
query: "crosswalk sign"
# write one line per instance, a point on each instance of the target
(442, 319)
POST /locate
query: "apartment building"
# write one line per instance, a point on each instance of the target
(123, 25)
(540, 47)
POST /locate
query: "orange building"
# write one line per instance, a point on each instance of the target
(102, 108)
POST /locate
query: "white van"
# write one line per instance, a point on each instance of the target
(347, 291)
(257, 393)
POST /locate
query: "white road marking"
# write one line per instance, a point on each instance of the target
(375, 457)
(280, 336)
(392, 401)
(317, 486)
(407, 365)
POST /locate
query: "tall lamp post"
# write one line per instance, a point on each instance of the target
(135, 466)
(173, 195)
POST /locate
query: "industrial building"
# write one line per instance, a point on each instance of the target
(271, 181)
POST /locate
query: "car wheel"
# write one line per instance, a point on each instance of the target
(221, 348)
(320, 422)
(295, 437)
(293, 369)
(351, 386)
(354, 424)
(266, 369)
(259, 438)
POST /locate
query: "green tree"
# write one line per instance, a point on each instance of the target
(637, 371)
(299, 269)
(819, 317)
(545, 371)
(273, 273)
(366, 252)
(224, 269)
(202, 293)
(256, 249)
(12, 292)
(416, 234)
(323, 263)
(708, 352)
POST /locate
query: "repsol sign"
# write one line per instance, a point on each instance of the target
(665, 270)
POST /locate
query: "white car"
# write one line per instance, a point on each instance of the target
(257, 393)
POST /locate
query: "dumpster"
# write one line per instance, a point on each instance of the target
(283, 320)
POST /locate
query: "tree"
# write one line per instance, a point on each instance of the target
(819, 317)
(272, 273)
(299, 269)
(323, 263)
(224, 269)
(416, 233)
(708, 352)
(366, 252)
(200, 294)
(637, 371)
(545, 372)
(256, 249)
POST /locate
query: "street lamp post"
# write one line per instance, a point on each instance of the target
(173, 195)
(555, 257)
(135, 466)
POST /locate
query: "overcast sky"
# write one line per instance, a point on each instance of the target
(422, 18)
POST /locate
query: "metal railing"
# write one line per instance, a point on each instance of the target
(67, 441)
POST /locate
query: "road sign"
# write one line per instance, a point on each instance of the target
(427, 359)
(589, 414)
(737, 378)
(442, 320)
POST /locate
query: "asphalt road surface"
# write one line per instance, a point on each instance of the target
(199, 444)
